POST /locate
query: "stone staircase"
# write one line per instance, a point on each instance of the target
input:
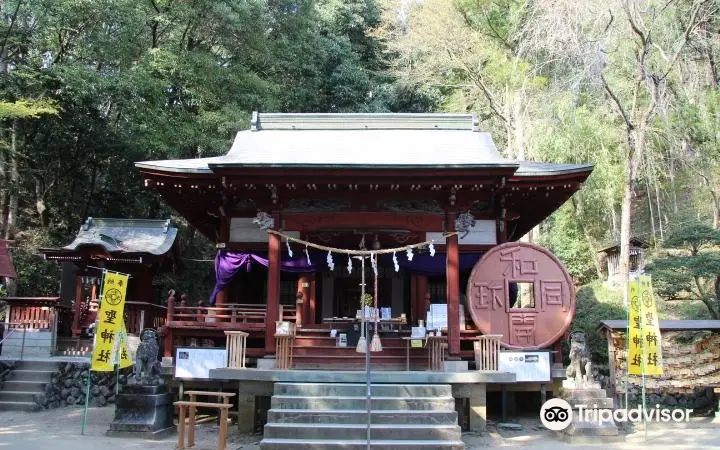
(27, 380)
(307, 416)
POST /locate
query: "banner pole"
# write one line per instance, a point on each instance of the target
(87, 402)
(627, 349)
(89, 376)
(643, 360)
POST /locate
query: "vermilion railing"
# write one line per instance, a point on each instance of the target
(37, 313)
(228, 316)
(141, 315)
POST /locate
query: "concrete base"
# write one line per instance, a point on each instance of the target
(581, 431)
(456, 366)
(266, 363)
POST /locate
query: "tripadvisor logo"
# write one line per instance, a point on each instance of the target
(557, 414)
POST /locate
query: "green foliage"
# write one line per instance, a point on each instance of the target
(689, 268)
(367, 300)
(132, 81)
(596, 302)
(564, 238)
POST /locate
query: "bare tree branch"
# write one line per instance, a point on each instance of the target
(618, 104)
(692, 23)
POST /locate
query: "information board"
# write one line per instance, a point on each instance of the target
(195, 362)
(527, 366)
(437, 318)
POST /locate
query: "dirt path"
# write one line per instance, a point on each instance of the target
(59, 429)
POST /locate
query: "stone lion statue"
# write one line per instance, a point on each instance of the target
(147, 367)
(580, 368)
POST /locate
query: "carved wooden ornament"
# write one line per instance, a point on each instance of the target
(531, 321)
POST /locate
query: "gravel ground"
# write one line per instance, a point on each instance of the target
(59, 429)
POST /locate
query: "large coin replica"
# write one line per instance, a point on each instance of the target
(547, 308)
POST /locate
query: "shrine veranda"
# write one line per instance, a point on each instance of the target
(347, 182)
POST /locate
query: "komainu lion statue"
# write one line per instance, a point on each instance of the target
(580, 368)
(147, 367)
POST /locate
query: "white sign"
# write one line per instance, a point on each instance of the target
(194, 362)
(527, 366)
(437, 318)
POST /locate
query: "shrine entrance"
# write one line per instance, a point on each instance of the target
(348, 290)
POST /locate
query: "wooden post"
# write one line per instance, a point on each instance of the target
(421, 291)
(452, 275)
(312, 301)
(413, 300)
(168, 339)
(181, 427)
(273, 290)
(77, 308)
(300, 307)
(220, 297)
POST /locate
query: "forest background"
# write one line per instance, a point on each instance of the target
(88, 87)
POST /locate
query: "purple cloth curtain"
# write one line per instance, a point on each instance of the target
(228, 264)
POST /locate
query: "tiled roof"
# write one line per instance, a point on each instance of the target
(125, 235)
(363, 140)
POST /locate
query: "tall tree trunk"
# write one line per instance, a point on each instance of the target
(13, 193)
(650, 206)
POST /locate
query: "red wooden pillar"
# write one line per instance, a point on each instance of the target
(452, 275)
(273, 290)
(311, 302)
(300, 308)
(78, 306)
(421, 290)
(220, 297)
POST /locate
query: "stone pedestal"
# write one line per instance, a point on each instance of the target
(143, 411)
(588, 429)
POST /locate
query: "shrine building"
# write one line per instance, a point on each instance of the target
(371, 182)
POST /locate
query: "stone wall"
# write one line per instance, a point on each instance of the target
(68, 386)
(691, 365)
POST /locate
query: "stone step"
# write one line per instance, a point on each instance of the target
(584, 393)
(319, 363)
(24, 386)
(37, 365)
(17, 396)
(350, 402)
(324, 350)
(335, 431)
(340, 416)
(312, 444)
(31, 375)
(19, 406)
(360, 390)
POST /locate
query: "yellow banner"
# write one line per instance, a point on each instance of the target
(645, 356)
(110, 328)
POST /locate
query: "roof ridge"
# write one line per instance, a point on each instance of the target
(364, 121)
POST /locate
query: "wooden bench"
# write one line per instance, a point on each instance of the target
(192, 406)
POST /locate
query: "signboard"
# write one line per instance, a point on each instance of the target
(194, 362)
(645, 352)
(110, 337)
(527, 366)
(437, 318)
